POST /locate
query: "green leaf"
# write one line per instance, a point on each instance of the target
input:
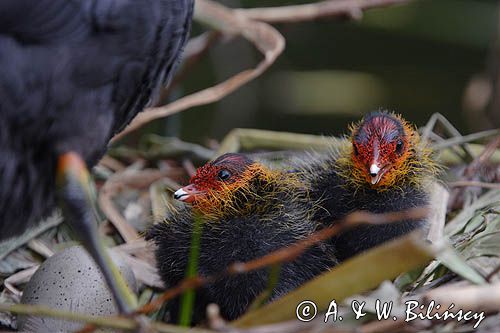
(188, 297)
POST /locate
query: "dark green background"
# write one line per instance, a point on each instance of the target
(415, 59)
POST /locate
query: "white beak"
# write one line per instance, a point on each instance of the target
(374, 169)
(375, 173)
(181, 195)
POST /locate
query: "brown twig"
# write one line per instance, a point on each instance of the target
(472, 171)
(484, 157)
(288, 253)
(312, 11)
(115, 184)
(111, 163)
(116, 322)
(19, 278)
(265, 38)
(249, 23)
(465, 183)
(189, 167)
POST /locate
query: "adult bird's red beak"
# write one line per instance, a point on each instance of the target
(187, 193)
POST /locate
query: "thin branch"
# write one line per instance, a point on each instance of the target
(37, 310)
(265, 38)
(483, 158)
(249, 23)
(116, 183)
(116, 322)
(448, 126)
(464, 183)
(313, 11)
(466, 138)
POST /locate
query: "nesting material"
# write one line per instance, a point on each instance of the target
(70, 281)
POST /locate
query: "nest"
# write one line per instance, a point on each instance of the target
(134, 186)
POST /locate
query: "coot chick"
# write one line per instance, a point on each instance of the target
(248, 211)
(383, 167)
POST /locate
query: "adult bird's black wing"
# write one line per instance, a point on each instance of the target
(72, 74)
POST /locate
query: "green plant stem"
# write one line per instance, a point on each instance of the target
(188, 297)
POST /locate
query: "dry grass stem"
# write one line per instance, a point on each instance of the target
(312, 11)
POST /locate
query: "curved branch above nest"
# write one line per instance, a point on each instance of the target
(265, 38)
(250, 24)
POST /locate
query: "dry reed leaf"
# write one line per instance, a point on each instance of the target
(130, 177)
(11, 244)
(475, 298)
(144, 272)
(19, 278)
(437, 217)
(458, 222)
(354, 276)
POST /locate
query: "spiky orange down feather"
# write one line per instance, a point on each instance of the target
(255, 190)
(414, 167)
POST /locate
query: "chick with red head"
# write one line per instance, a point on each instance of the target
(382, 167)
(248, 211)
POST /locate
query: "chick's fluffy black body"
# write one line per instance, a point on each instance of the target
(72, 74)
(339, 198)
(239, 239)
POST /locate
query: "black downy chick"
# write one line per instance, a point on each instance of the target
(248, 211)
(383, 167)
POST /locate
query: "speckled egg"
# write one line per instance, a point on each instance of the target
(70, 281)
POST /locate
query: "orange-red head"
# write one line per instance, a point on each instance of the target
(234, 185)
(227, 171)
(383, 146)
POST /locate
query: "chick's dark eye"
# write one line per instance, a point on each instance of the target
(224, 174)
(399, 147)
